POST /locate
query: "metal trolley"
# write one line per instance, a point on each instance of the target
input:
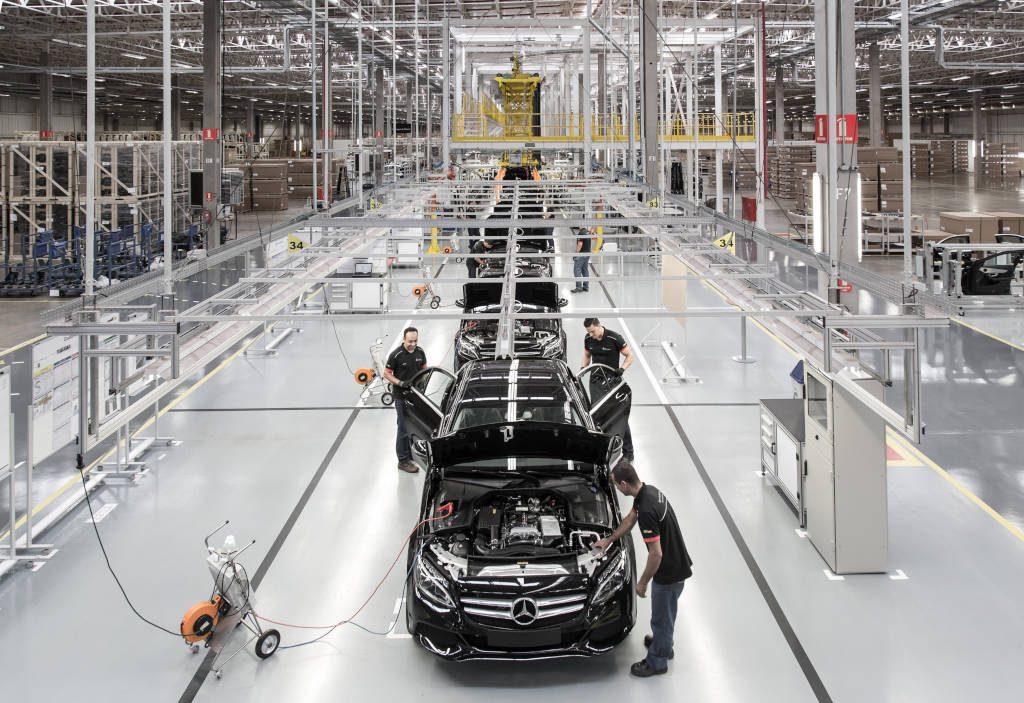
(230, 604)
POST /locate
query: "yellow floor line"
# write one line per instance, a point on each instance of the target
(24, 344)
(926, 461)
(67, 485)
(987, 334)
(906, 446)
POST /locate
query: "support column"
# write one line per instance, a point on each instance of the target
(327, 117)
(649, 94)
(460, 70)
(719, 117)
(250, 121)
(378, 126)
(446, 102)
(175, 107)
(585, 102)
(602, 102)
(836, 85)
(977, 131)
(45, 93)
(876, 123)
(212, 116)
(761, 116)
(780, 106)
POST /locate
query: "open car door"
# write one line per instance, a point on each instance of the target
(610, 398)
(423, 400)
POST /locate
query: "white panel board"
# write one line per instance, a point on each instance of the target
(5, 417)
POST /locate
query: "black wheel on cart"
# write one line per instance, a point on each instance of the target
(435, 302)
(386, 398)
(267, 644)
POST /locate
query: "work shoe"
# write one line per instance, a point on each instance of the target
(647, 643)
(408, 466)
(643, 670)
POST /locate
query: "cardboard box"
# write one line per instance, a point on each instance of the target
(980, 226)
(890, 172)
(890, 205)
(268, 187)
(960, 223)
(877, 154)
(301, 179)
(1008, 222)
(300, 166)
(890, 189)
(269, 202)
(868, 189)
(269, 170)
(301, 191)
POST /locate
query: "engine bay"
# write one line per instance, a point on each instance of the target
(526, 523)
(541, 330)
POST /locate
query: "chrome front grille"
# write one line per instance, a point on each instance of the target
(500, 607)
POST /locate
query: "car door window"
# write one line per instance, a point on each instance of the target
(433, 384)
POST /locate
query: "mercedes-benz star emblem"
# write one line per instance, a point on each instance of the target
(524, 611)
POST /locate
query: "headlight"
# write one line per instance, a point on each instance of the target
(467, 348)
(612, 578)
(432, 587)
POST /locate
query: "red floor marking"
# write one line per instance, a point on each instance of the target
(892, 455)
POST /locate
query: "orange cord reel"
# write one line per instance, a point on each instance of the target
(365, 376)
(200, 620)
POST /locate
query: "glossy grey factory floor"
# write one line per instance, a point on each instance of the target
(760, 621)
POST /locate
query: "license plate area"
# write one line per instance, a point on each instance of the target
(524, 639)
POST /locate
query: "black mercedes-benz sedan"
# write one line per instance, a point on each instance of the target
(532, 338)
(516, 493)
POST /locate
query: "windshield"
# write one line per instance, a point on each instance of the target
(518, 410)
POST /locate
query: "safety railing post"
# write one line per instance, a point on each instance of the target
(743, 358)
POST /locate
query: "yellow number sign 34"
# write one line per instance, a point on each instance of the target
(728, 242)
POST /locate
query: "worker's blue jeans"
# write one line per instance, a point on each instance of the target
(664, 604)
(402, 445)
(579, 272)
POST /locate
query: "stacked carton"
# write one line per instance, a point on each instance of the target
(268, 185)
(300, 179)
(942, 158)
(788, 184)
(920, 160)
(881, 179)
(961, 156)
(803, 176)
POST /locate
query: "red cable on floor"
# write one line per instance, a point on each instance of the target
(444, 511)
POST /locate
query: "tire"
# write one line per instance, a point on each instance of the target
(435, 303)
(267, 644)
(386, 398)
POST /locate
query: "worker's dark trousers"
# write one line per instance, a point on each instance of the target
(580, 273)
(664, 603)
(471, 267)
(627, 444)
(402, 444)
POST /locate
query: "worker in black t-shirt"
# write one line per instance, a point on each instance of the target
(582, 260)
(603, 346)
(403, 364)
(668, 563)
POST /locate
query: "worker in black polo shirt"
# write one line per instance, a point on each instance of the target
(668, 563)
(404, 363)
(603, 346)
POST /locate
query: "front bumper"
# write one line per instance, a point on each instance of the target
(457, 637)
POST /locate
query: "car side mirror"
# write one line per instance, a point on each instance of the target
(562, 302)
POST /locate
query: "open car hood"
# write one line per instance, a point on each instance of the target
(541, 440)
(542, 293)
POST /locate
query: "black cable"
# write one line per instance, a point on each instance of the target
(391, 627)
(110, 568)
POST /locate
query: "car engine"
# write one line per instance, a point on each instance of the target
(507, 524)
